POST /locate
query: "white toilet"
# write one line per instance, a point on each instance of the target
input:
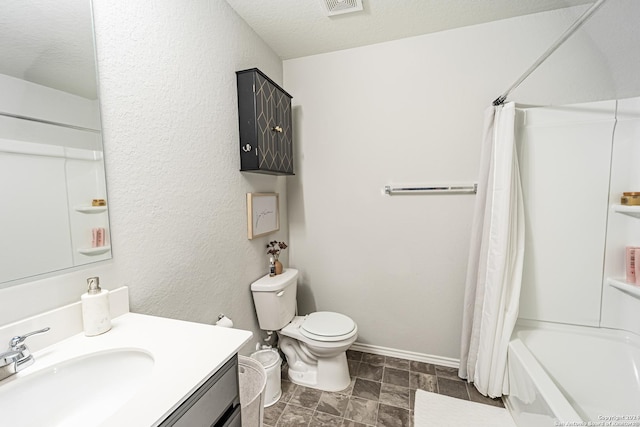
(315, 345)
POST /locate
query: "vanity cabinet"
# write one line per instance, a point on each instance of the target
(266, 134)
(216, 403)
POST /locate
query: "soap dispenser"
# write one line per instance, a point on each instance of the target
(96, 315)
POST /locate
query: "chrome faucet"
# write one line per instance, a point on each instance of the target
(18, 356)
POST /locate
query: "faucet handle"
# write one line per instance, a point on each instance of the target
(16, 341)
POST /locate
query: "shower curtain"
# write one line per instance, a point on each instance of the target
(494, 270)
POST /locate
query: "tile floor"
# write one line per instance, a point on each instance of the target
(381, 393)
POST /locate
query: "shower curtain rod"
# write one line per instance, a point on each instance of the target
(572, 29)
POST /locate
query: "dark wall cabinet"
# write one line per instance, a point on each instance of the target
(266, 135)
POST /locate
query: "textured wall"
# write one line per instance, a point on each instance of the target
(176, 197)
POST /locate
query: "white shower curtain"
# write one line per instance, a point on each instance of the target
(494, 271)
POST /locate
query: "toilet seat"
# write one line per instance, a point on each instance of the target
(327, 326)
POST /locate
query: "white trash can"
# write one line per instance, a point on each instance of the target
(252, 380)
(271, 361)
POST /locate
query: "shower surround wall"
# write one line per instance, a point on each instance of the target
(620, 310)
(409, 112)
(576, 161)
(565, 156)
(176, 198)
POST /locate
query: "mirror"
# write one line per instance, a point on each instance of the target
(53, 213)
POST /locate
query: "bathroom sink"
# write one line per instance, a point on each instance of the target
(79, 392)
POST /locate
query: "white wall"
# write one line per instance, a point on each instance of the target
(176, 197)
(408, 111)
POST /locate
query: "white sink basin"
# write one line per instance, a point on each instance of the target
(79, 392)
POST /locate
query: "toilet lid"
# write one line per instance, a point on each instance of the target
(327, 324)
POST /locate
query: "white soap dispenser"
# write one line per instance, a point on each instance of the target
(96, 315)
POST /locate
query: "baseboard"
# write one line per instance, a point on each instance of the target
(409, 355)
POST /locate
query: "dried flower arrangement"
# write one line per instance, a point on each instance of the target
(275, 247)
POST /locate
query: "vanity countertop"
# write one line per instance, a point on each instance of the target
(185, 354)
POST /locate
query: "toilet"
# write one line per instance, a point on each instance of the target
(315, 345)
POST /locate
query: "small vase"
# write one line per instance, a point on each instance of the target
(278, 267)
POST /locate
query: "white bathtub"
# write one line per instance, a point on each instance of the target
(571, 375)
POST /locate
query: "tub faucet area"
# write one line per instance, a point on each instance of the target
(18, 356)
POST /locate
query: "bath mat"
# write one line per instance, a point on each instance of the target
(437, 410)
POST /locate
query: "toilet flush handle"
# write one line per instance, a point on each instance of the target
(279, 294)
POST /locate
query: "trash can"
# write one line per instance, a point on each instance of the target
(271, 362)
(252, 380)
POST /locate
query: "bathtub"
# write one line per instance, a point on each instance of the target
(562, 375)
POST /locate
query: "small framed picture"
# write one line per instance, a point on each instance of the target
(263, 214)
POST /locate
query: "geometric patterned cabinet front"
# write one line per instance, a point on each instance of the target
(266, 135)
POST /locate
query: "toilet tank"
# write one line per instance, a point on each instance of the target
(275, 299)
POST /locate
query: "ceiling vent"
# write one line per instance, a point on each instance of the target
(338, 7)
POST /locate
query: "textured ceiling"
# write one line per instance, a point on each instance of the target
(36, 34)
(295, 28)
(49, 43)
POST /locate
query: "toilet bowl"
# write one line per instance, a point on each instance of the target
(314, 345)
(317, 357)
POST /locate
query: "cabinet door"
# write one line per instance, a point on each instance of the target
(284, 149)
(211, 403)
(266, 134)
(267, 121)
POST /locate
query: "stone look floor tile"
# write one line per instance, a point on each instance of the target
(394, 362)
(306, 397)
(362, 410)
(273, 412)
(373, 359)
(396, 377)
(349, 388)
(395, 395)
(354, 355)
(350, 423)
(425, 368)
(422, 381)
(333, 403)
(294, 416)
(391, 416)
(353, 367)
(476, 396)
(366, 389)
(288, 389)
(447, 372)
(381, 393)
(370, 372)
(453, 388)
(320, 419)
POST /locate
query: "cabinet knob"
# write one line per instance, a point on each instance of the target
(277, 129)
